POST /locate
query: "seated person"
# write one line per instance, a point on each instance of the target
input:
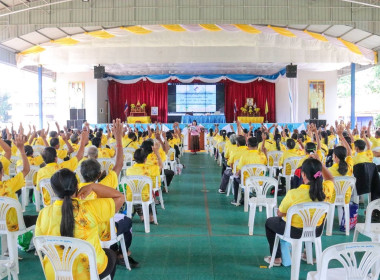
(252, 156)
(131, 141)
(71, 216)
(102, 152)
(362, 155)
(50, 158)
(375, 141)
(142, 168)
(36, 161)
(317, 180)
(234, 156)
(9, 188)
(74, 139)
(61, 154)
(5, 160)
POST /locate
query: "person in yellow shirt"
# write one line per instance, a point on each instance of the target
(61, 153)
(6, 157)
(74, 139)
(251, 156)
(130, 141)
(9, 187)
(141, 168)
(71, 216)
(102, 152)
(317, 180)
(362, 155)
(375, 141)
(233, 156)
(291, 151)
(50, 158)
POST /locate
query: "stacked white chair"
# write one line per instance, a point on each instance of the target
(262, 187)
(70, 249)
(252, 170)
(346, 254)
(341, 186)
(371, 230)
(163, 180)
(231, 180)
(308, 235)
(114, 238)
(293, 163)
(9, 238)
(29, 185)
(136, 185)
(275, 156)
(45, 187)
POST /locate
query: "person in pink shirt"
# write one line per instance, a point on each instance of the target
(195, 131)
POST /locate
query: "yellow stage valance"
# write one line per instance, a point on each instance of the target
(251, 119)
(139, 119)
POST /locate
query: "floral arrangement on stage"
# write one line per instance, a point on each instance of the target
(133, 106)
(143, 106)
(138, 109)
(250, 110)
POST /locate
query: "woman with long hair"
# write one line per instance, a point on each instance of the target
(317, 180)
(195, 131)
(71, 216)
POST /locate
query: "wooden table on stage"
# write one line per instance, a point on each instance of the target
(201, 140)
(251, 119)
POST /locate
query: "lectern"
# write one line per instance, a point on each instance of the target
(201, 140)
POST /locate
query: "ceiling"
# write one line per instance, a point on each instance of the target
(38, 22)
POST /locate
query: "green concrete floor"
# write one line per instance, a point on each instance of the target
(200, 235)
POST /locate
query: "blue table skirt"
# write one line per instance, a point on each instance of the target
(204, 119)
(291, 126)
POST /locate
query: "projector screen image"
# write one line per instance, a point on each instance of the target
(186, 98)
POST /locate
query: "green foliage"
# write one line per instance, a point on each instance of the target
(344, 86)
(377, 121)
(5, 107)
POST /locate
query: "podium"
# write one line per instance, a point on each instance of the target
(201, 140)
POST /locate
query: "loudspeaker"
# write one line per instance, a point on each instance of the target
(81, 114)
(314, 113)
(291, 71)
(78, 124)
(318, 123)
(73, 114)
(70, 124)
(99, 72)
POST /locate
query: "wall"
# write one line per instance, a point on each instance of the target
(91, 90)
(103, 105)
(282, 98)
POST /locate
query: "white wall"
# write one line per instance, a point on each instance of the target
(91, 100)
(282, 98)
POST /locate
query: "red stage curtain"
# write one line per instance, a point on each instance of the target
(152, 94)
(260, 91)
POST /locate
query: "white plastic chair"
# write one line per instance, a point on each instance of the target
(73, 154)
(106, 164)
(231, 180)
(341, 186)
(38, 149)
(220, 149)
(136, 185)
(71, 249)
(346, 254)
(9, 238)
(163, 179)
(293, 163)
(262, 187)
(251, 170)
(129, 151)
(12, 166)
(371, 230)
(172, 163)
(276, 157)
(159, 190)
(46, 185)
(308, 234)
(114, 238)
(29, 185)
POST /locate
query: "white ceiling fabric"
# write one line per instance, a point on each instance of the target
(229, 51)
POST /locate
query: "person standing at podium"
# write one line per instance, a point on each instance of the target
(195, 131)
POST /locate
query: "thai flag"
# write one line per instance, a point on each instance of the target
(235, 107)
(126, 107)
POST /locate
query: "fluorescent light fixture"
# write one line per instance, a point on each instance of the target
(362, 3)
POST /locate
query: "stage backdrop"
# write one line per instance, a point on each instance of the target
(152, 94)
(156, 94)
